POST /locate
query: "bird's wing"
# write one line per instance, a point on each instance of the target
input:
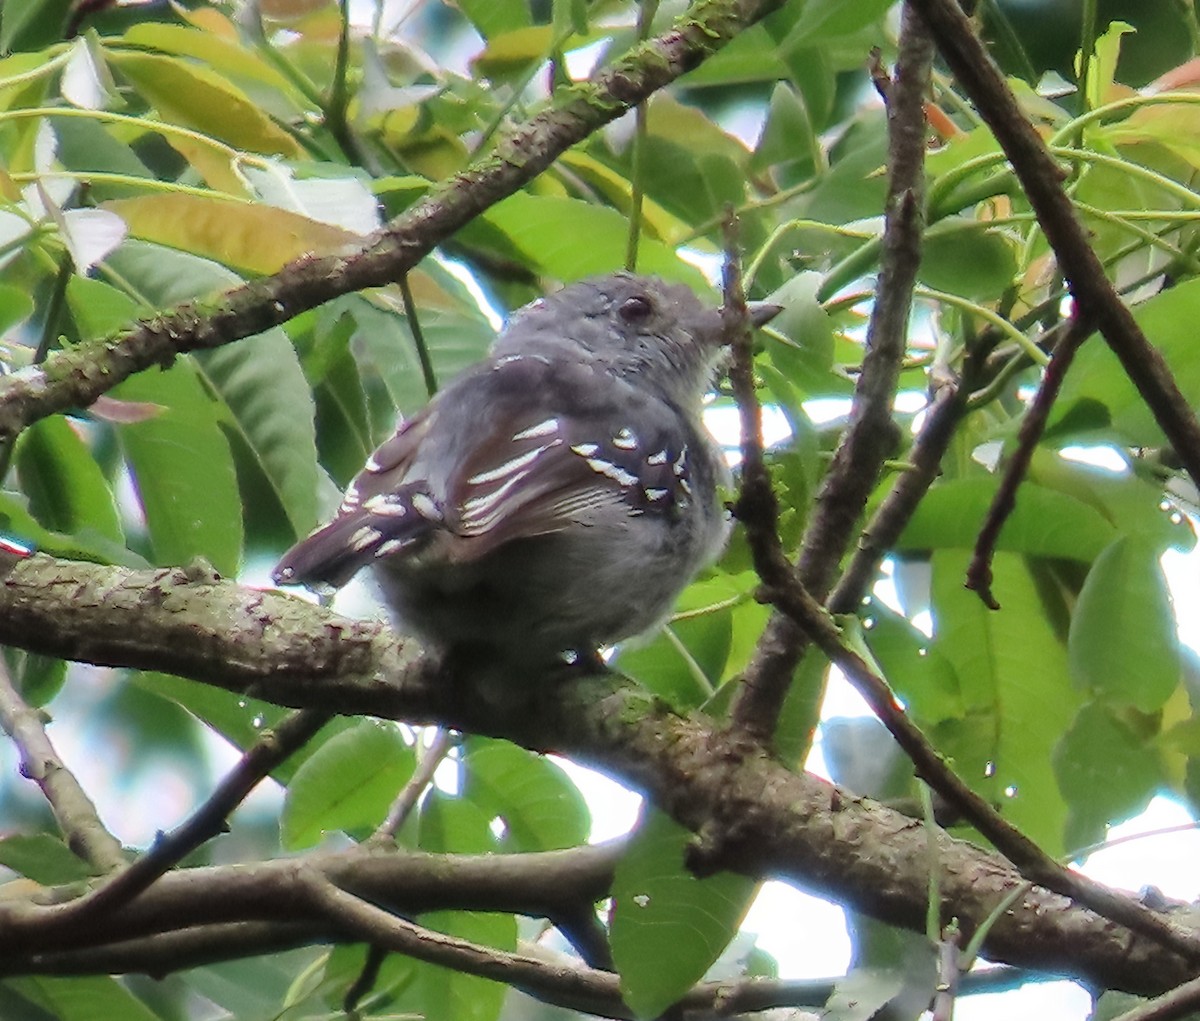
(540, 474)
(522, 447)
(382, 512)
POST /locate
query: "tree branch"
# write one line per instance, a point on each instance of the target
(979, 571)
(871, 435)
(777, 823)
(73, 810)
(75, 378)
(1096, 301)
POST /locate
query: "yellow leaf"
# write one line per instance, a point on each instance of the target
(255, 238)
(197, 98)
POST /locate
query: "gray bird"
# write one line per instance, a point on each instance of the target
(555, 498)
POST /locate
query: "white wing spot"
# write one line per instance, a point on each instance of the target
(372, 465)
(508, 468)
(389, 547)
(390, 505)
(655, 494)
(625, 440)
(364, 537)
(658, 458)
(548, 427)
(586, 449)
(612, 471)
(477, 504)
(423, 504)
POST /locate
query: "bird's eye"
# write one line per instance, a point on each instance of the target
(636, 309)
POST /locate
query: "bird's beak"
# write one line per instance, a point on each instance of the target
(762, 312)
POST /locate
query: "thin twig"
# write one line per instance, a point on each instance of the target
(209, 820)
(979, 571)
(406, 800)
(1041, 178)
(942, 419)
(1180, 1002)
(413, 318)
(74, 811)
(569, 985)
(871, 434)
(949, 972)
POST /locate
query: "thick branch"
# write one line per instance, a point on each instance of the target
(777, 823)
(75, 378)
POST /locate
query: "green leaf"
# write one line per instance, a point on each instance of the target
(1167, 320)
(15, 307)
(827, 19)
(222, 54)
(454, 340)
(490, 18)
(1013, 675)
(269, 402)
(43, 858)
(985, 275)
(442, 993)
(454, 825)
(1106, 773)
(17, 522)
(183, 470)
(917, 672)
(807, 361)
(82, 999)
(541, 808)
(196, 97)
(594, 244)
(787, 135)
(1124, 645)
(99, 309)
(347, 783)
(1045, 522)
(67, 491)
(38, 678)
(668, 927)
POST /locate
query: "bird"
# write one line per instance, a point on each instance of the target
(557, 497)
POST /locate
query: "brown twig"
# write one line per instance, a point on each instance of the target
(406, 800)
(1180, 1002)
(271, 749)
(1041, 178)
(871, 434)
(569, 985)
(949, 972)
(73, 810)
(894, 512)
(979, 571)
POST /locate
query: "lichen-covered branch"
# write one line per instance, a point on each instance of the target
(774, 822)
(76, 377)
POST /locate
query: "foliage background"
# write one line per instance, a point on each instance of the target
(168, 154)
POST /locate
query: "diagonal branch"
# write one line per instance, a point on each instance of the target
(75, 378)
(1096, 300)
(979, 571)
(76, 815)
(209, 820)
